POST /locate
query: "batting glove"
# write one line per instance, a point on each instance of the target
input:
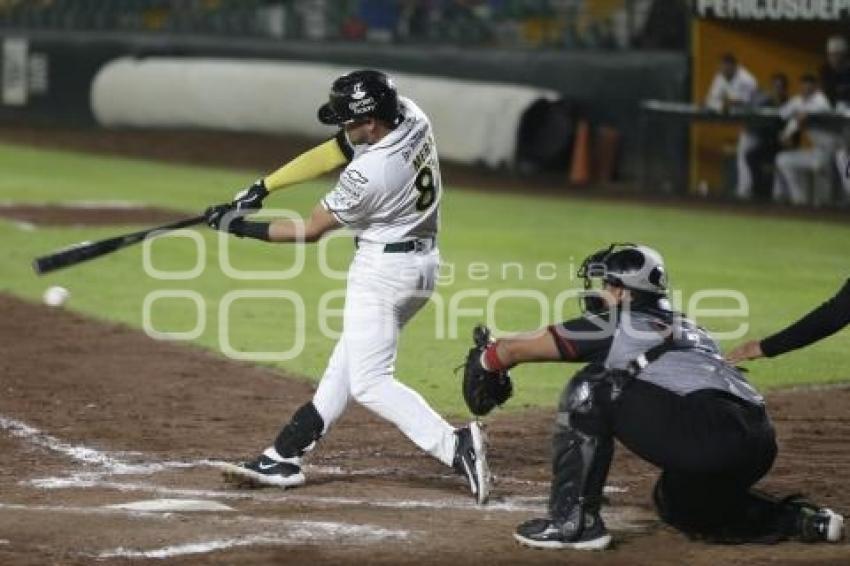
(214, 215)
(251, 198)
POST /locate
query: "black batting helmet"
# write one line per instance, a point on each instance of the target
(361, 94)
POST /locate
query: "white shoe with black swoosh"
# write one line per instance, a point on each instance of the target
(471, 460)
(264, 471)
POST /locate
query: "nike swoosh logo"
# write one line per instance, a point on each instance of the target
(272, 465)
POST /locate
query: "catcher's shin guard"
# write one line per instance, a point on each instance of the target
(582, 450)
(582, 444)
(301, 433)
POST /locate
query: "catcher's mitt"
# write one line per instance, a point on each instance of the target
(483, 389)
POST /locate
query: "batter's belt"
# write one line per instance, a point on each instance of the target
(417, 245)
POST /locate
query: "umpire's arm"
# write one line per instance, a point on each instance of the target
(827, 319)
(824, 321)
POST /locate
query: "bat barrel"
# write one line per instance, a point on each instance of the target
(89, 250)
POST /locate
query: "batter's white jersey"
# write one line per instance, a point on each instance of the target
(390, 192)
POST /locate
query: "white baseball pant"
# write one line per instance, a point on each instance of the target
(800, 169)
(747, 142)
(385, 290)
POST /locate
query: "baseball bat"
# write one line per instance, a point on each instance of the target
(85, 251)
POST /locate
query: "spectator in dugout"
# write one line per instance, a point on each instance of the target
(835, 79)
(762, 155)
(734, 86)
(804, 175)
(835, 73)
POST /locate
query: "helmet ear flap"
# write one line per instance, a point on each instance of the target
(658, 277)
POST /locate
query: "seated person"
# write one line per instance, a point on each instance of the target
(762, 155)
(806, 171)
(733, 85)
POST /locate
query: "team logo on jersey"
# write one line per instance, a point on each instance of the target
(356, 176)
(345, 197)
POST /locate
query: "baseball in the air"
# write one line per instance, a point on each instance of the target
(56, 296)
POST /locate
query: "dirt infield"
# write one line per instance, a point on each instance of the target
(95, 415)
(88, 214)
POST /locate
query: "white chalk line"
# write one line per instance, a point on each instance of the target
(510, 504)
(114, 466)
(113, 463)
(77, 510)
(296, 532)
(617, 517)
(169, 505)
(301, 533)
(36, 437)
(116, 510)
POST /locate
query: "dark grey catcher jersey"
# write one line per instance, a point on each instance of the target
(694, 365)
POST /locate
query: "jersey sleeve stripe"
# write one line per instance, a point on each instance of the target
(335, 213)
(565, 347)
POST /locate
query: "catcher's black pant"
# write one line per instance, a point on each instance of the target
(711, 447)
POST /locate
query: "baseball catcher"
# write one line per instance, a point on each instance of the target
(657, 382)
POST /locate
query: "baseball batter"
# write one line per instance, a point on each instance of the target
(389, 194)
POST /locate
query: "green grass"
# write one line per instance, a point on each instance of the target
(784, 267)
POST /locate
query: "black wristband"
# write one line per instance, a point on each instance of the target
(244, 228)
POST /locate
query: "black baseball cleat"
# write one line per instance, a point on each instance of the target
(546, 533)
(820, 524)
(264, 472)
(471, 460)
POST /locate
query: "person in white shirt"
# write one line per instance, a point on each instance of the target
(733, 85)
(389, 194)
(804, 176)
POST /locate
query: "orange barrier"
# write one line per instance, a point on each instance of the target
(580, 163)
(606, 146)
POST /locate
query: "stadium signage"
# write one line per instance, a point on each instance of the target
(14, 77)
(824, 10)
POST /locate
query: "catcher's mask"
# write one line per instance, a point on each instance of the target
(359, 95)
(631, 266)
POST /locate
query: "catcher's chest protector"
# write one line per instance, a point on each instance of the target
(682, 371)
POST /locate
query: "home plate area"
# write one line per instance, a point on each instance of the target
(111, 445)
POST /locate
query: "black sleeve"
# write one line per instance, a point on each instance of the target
(344, 145)
(827, 319)
(583, 339)
(246, 228)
